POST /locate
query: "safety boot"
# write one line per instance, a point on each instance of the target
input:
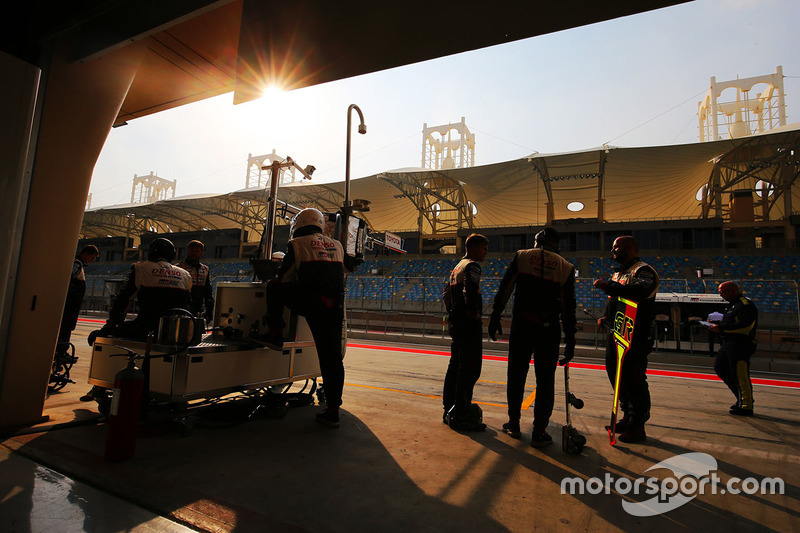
(633, 433)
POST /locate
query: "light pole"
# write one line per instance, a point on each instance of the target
(362, 129)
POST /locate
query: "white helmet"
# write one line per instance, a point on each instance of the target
(309, 217)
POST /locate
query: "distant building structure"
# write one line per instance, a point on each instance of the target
(258, 170)
(151, 188)
(733, 108)
(442, 149)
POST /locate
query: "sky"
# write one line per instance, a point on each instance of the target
(632, 81)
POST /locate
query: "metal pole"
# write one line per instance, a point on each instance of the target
(272, 202)
(362, 128)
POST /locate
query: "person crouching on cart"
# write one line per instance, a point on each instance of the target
(310, 282)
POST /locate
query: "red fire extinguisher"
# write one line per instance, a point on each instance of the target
(123, 416)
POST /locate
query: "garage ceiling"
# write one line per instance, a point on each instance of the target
(196, 49)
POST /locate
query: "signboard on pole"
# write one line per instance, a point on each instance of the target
(393, 242)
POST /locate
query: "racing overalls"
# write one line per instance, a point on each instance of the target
(311, 283)
(636, 281)
(732, 365)
(543, 284)
(464, 304)
(202, 292)
(158, 287)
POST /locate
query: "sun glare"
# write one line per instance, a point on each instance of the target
(272, 92)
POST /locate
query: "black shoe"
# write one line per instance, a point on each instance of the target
(540, 439)
(633, 433)
(738, 411)
(620, 426)
(512, 429)
(88, 397)
(328, 418)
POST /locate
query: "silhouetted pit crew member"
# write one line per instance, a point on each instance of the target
(158, 286)
(543, 284)
(310, 282)
(636, 281)
(202, 292)
(464, 304)
(737, 330)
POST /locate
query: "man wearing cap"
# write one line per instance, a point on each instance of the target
(543, 284)
(737, 330)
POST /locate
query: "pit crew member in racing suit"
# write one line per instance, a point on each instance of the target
(636, 281)
(738, 331)
(543, 283)
(311, 283)
(202, 292)
(158, 287)
(464, 304)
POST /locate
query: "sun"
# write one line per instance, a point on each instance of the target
(272, 93)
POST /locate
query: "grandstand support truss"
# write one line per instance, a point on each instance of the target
(572, 179)
(323, 197)
(441, 202)
(245, 209)
(763, 165)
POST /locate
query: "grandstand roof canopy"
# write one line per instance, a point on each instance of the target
(614, 184)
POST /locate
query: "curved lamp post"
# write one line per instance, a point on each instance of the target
(362, 129)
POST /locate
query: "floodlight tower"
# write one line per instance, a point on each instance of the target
(745, 114)
(441, 150)
(259, 170)
(151, 188)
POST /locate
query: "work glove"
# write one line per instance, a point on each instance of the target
(494, 326)
(569, 349)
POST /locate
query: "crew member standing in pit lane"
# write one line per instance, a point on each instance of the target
(202, 293)
(77, 288)
(543, 284)
(636, 281)
(738, 332)
(311, 283)
(158, 286)
(464, 304)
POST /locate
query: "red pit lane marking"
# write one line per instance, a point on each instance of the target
(589, 366)
(91, 320)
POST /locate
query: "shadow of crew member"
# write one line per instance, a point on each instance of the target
(158, 286)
